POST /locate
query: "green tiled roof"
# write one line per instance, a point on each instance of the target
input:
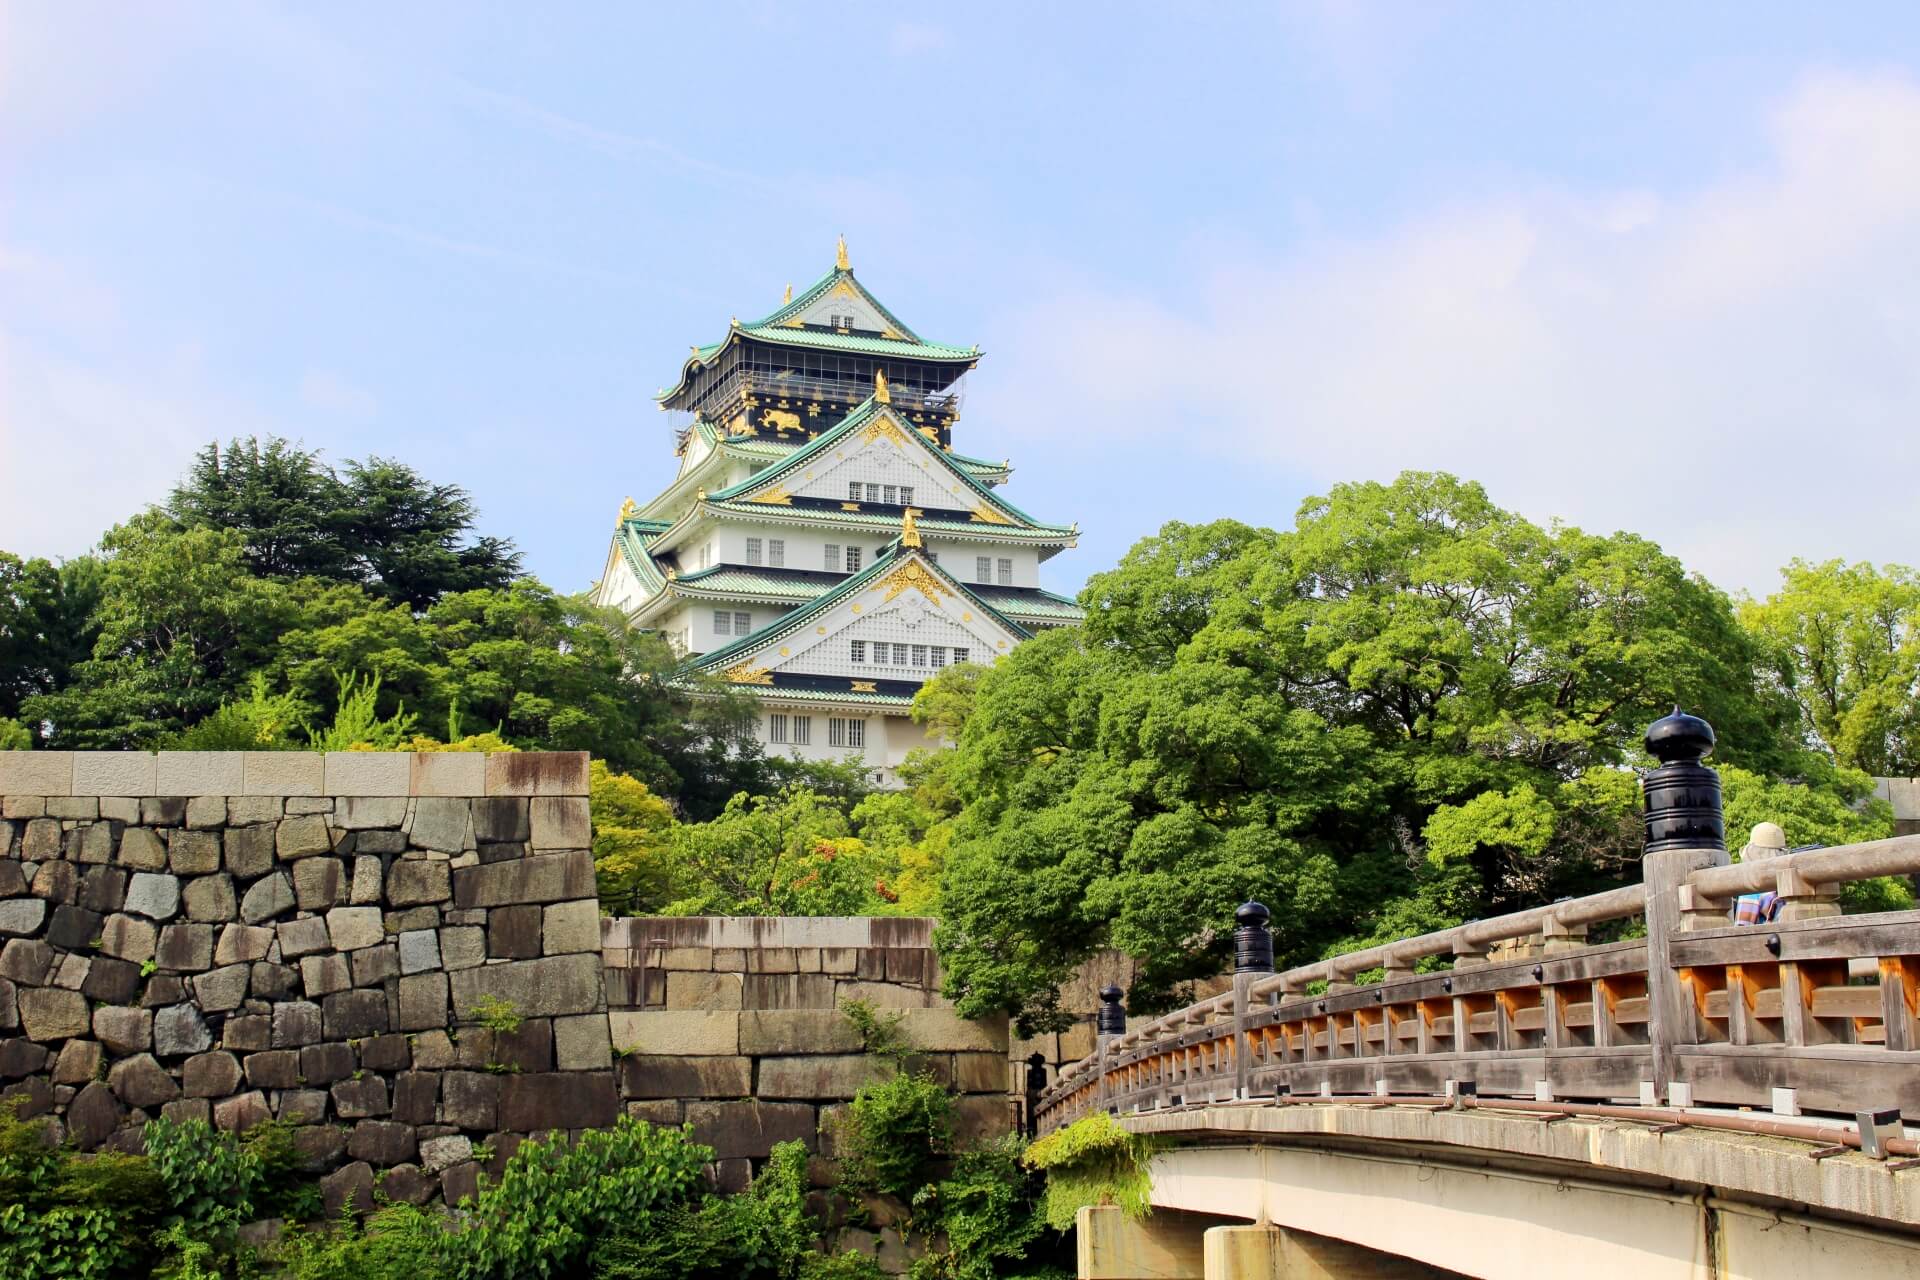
(767, 512)
(1030, 602)
(774, 450)
(764, 692)
(796, 585)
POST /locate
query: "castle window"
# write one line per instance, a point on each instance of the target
(742, 623)
(853, 559)
(983, 568)
(836, 731)
(753, 551)
(777, 553)
(1006, 572)
(899, 655)
(856, 733)
(919, 655)
(722, 622)
(853, 491)
(873, 493)
(891, 495)
(776, 728)
(938, 655)
(802, 730)
(833, 557)
(906, 495)
(857, 651)
(959, 656)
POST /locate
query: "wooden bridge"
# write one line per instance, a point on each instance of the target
(1697, 1098)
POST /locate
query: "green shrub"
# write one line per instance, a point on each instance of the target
(765, 1231)
(1093, 1161)
(892, 1132)
(985, 1211)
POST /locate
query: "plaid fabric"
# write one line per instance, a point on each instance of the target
(1755, 908)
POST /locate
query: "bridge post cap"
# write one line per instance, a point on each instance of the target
(1252, 915)
(1111, 994)
(1679, 737)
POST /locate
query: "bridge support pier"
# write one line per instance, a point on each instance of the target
(1163, 1246)
(1271, 1253)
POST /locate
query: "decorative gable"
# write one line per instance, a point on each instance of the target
(885, 456)
(846, 306)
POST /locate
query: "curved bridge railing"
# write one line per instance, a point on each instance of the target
(1810, 1011)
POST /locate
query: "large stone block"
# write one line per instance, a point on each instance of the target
(368, 773)
(48, 1013)
(369, 881)
(556, 877)
(302, 837)
(673, 1031)
(27, 961)
(982, 1073)
(242, 944)
(153, 895)
(318, 883)
(324, 974)
(787, 991)
(199, 773)
(210, 898)
(270, 896)
(463, 947)
(514, 933)
(72, 928)
(248, 850)
(20, 1058)
(549, 986)
(536, 773)
(241, 1113)
(423, 1002)
(469, 1099)
(140, 1081)
(124, 1031)
(93, 1116)
(206, 812)
(283, 773)
(41, 839)
(21, 917)
(370, 813)
(559, 1100)
(79, 1062)
(694, 990)
(788, 1032)
(361, 1099)
(210, 1075)
(94, 845)
(129, 938)
(302, 937)
(883, 995)
(179, 1030)
(737, 1130)
(441, 824)
(322, 1064)
(247, 811)
(437, 1154)
(193, 853)
(415, 1097)
(295, 1023)
(944, 1031)
(500, 820)
(560, 822)
(351, 928)
(222, 990)
(382, 1142)
(660, 1076)
(449, 773)
(354, 1015)
(372, 966)
(38, 773)
(141, 850)
(419, 950)
(417, 882)
(571, 927)
(823, 1076)
(111, 773)
(582, 1043)
(274, 1069)
(348, 1190)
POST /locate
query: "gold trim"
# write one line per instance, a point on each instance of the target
(780, 420)
(789, 298)
(862, 686)
(880, 391)
(882, 425)
(776, 496)
(840, 255)
(909, 534)
(628, 510)
(984, 514)
(785, 652)
(746, 673)
(914, 574)
(849, 506)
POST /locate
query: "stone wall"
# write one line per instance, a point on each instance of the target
(238, 936)
(735, 1026)
(1904, 795)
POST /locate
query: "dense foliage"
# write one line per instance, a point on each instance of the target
(1410, 709)
(1093, 1161)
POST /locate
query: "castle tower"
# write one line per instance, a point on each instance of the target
(822, 542)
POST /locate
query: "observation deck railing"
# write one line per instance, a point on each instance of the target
(1812, 1011)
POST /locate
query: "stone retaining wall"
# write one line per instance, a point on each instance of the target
(237, 935)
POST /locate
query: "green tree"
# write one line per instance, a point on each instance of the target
(1843, 641)
(788, 854)
(46, 625)
(1410, 708)
(632, 841)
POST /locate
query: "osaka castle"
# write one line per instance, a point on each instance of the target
(822, 543)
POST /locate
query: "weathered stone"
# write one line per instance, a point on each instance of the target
(123, 1031)
(185, 1110)
(247, 811)
(569, 1100)
(369, 879)
(527, 1047)
(301, 806)
(419, 951)
(283, 773)
(302, 937)
(56, 882)
(787, 991)
(571, 927)
(92, 1116)
(13, 882)
(242, 944)
(20, 1058)
(360, 813)
(79, 1062)
(981, 1073)
(499, 851)
(463, 948)
(554, 985)
(500, 818)
(348, 1190)
(771, 1032)
(40, 840)
(460, 1183)
(514, 933)
(382, 1142)
(560, 822)
(307, 1106)
(72, 928)
(423, 1002)
(139, 1081)
(554, 877)
(942, 1030)
(128, 938)
(407, 1184)
(72, 971)
(352, 1015)
(163, 811)
(206, 810)
(688, 1032)
(48, 1013)
(302, 837)
(162, 990)
(371, 842)
(359, 1099)
(9, 1005)
(274, 981)
(322, 975)
(222, 990)
(122, 809)
(325, 1063)
(185, 948)
(399, 922)
(269, 896)
(415, 882)
(441, 824)
(351, 928)
(415, 1094)
(180, 1030)
(94, 844)
(16, 806)
(819, 1076)
(470, 1100)
(318, 883)
(437, 1154)
(21, 917)
(295, 1023)
(210, 1075)
(582, 1043)
(103, 889)
(249, 850)
(737, 1130)
(704, 990)
(649, 1076)
(274, 1069)
(374, 965)
(385, 1053)
(26, 961)
(210, 898)
(247, 1034)
(193, 853)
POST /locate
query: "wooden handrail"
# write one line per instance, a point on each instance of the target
(1897, 856)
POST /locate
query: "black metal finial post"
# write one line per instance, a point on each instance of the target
(1252, 940)
(1112, 1019)
(1682, 795)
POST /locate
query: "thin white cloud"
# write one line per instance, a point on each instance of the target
(1733, 370)
(335, 396)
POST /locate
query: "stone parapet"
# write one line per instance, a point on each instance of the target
(336, 774)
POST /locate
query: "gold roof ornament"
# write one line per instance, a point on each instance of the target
(880, 392)
(629, 509)
(789, 298)
(909, 532)
(840, 256)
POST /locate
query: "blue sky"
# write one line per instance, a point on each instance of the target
(1644, 267)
